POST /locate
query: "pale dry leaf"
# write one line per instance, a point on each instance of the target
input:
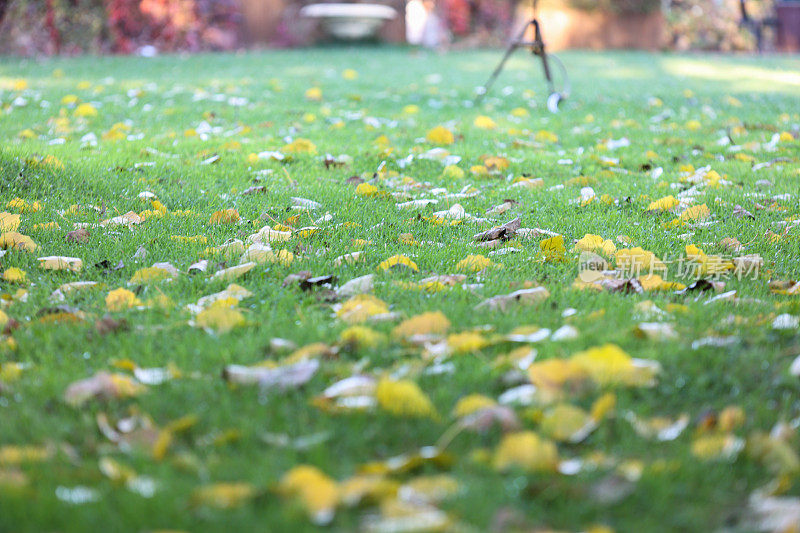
(523, 297)
(278, 378)
(57, 262)
(104, 386)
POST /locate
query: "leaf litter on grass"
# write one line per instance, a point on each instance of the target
(517, 308)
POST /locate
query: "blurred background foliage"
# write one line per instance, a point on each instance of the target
(31, 27)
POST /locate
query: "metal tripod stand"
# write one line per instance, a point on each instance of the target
(537, 48)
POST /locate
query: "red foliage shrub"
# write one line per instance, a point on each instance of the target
(122, 26)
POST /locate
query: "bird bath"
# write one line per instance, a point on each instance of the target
(350, 21)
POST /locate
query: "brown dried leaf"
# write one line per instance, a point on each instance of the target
(521, 297)
(78, 236)
(107, 325)
(503, 233)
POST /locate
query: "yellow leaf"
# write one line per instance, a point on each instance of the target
(440, 135)
(430, 323)
(567, 423)
(318, 493)
(116, 471)
(309, 351)
(635, 260)
(654, 282)
(717, 446)
(697, 212)
(466, 342)
(472, 403)
(403, 398)
(595, 243)
(361, 337)
(546, 136)
(161, 445)
(527, 183)
(219, 318)
(713, 179)
(553, 374)
(730, 418)
(46, 226)
(496, 163)
(474, 263)
(453, 172)
(485, 123)
(553, 248)
(226, 216)
(56, 262)
(314, 93)
(262, 254)
(15, 455)
(8, 344)
(480, 171)
(526, 450)
(224, 495)
(609, 365)
(603, 405)
(85, 110)
(398, 261)
(102, 385)
(693, 125)
(9, 222)
(776, 453)
(120, 299)
(367, 487)
(17, 241)
(149, 275)
(15, 275)
(366, 189)
(19, 84)
(22, 206)
(360, 308)
(230, 274)
(300, 145)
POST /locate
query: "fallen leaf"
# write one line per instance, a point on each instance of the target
(523, 297)
(121, 299)
(397, 262)
(433, 323)
(404, 398)
(103, 386)
(219, 319)
(279, 378)
(80, 235)
(9, 222)
(318, 493)
(527, 451)
(224, 495)
(226, 216)
(230, 274)
(12, 240)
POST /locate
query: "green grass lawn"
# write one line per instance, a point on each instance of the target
(83, 138)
